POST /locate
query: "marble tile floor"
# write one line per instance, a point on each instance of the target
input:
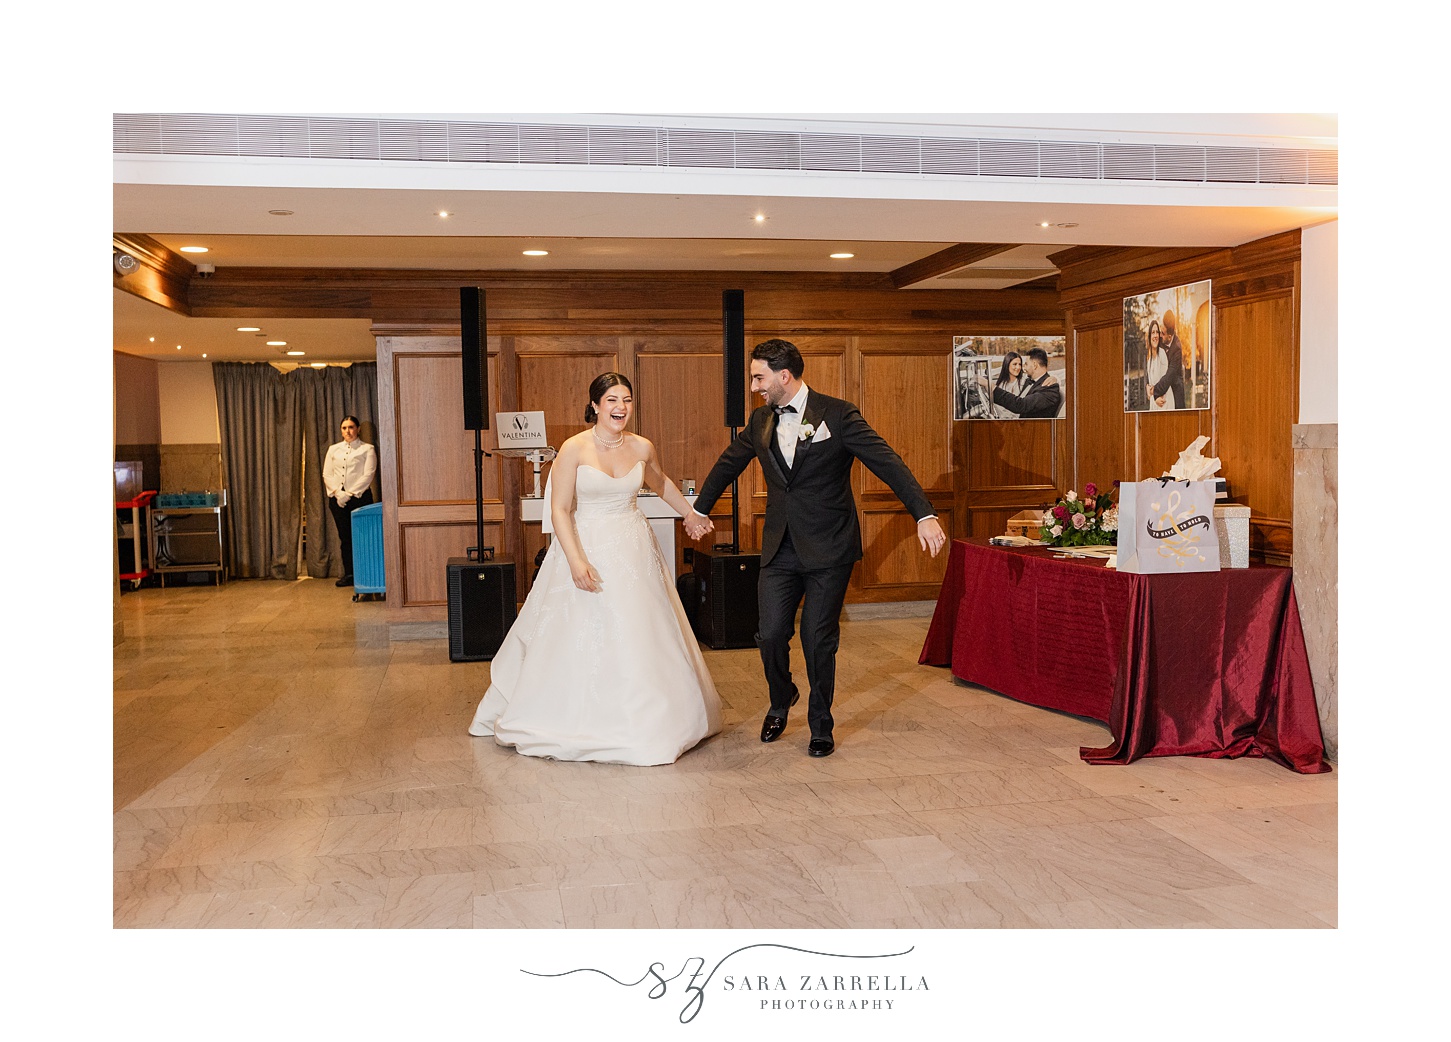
(280, 763)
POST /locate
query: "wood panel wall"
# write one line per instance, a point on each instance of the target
(1254, 400)
(888, 350)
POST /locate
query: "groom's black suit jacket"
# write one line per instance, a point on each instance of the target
(812, 499)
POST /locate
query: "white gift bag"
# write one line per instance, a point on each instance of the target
(1167, 526)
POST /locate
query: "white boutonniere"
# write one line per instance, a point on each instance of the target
(805, 432)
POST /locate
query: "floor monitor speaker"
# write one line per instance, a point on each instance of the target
(480, 607)
(728, 615)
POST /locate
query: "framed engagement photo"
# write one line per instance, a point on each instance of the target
(1166, 349)
(1008, 377)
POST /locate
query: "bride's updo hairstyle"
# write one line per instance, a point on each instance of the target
(597, 389)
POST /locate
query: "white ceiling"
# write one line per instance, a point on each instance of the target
(351, 214)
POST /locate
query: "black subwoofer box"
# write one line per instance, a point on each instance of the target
(480, 607)
(727, 614)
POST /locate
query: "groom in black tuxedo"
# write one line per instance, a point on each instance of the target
(806, 442)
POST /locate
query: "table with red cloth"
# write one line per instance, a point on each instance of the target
(1205, 664)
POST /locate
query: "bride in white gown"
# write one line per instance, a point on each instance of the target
(601, 663)
(1154, 370)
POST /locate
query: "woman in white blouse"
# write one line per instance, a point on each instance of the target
(347, 474)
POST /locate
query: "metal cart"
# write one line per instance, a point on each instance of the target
(191, 537)
(135, 532)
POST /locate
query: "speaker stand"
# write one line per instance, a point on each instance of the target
(734, 546)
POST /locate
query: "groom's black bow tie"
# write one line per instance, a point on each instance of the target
(783, 409)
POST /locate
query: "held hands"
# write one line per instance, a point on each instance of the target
(697, 526)
(930, 535)
(585, 577)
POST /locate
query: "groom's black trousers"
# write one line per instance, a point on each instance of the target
(780, 590)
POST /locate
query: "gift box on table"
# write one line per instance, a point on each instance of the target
(1026, 523)
(1231, 524)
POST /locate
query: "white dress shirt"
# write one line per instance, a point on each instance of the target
(788, 426)
(348, 469)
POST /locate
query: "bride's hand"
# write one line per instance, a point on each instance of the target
(585, 577)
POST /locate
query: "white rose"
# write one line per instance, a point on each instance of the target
(1057, 530)
(1072, 496)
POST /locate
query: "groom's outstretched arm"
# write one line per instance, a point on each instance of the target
(736, 458)
(883, 461)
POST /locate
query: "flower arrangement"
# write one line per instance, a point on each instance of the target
(1090, 521)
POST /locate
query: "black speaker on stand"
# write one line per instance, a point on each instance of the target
(481, 590)
(723, 611)
(733, 350)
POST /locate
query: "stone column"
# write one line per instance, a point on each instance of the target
(1316, 572)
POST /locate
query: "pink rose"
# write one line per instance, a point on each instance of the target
(1090, 490)
(1079, 521)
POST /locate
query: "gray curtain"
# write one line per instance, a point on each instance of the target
(268, 421)
(261, 453)
(326, 396)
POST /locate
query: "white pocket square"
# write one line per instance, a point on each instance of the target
(822, 432)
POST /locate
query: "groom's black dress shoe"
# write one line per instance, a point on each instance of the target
(772, 726)
(346, 580)
(820, 747)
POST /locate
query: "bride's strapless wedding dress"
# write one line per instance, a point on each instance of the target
(614, 676)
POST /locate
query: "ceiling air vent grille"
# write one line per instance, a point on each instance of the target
(700, 148)
(624, 146)
(458, 141)
(1007, 158)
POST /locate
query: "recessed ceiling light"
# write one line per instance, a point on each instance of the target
(204, 354)
(1044, 224)
(536, 253)
(151, 339)
(193, 249)
(297, 354)
(759, 218)
(277, 343)
(842, 256)
(280, 213)
(443, 213)
(319, 365)
(178, 347)
(249, 329)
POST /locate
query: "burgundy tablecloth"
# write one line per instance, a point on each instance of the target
(1212, 664)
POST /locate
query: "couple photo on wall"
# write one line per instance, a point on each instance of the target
(1166, 349)
(1166, 337)
(1009, 377)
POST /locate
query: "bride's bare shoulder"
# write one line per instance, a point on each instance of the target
(572, 446)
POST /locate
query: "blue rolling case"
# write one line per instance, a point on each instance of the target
(368, 574)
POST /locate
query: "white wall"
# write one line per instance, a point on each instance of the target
(188, 404)
(1319, 322)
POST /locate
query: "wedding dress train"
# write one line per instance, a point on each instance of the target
(614, 676)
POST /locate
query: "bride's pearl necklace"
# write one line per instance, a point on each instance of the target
(607, 444)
